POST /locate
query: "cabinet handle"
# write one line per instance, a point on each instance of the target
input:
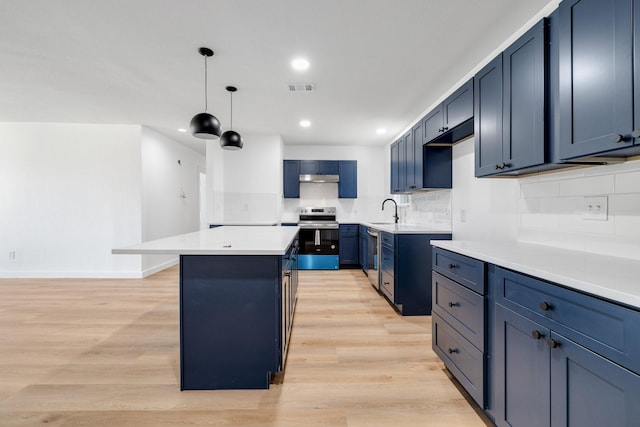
(537, 335)
(440, 130)
(385, 283)
(545, 306)
(444, 129)
(617, 138)
(452, 350)
(452, 266)
(287, 274)
(553, 343)
(636, 133)
(453, 304)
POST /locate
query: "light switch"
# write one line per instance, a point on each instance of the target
(595, 208)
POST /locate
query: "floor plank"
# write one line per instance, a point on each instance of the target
(105, 353)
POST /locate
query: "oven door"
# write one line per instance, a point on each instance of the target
(318, 249)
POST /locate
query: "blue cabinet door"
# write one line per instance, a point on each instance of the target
(589, 390)
(291, 178)
(318, 167)
(348, 185)
(524, 135)
(348, 244)
(396, 159)
(520, 382)
(458, 107)
(327, 167)
(414, 158)
(488, 118)
(432, 124)
(596, 76)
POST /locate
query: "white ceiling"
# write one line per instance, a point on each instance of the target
(375, 63)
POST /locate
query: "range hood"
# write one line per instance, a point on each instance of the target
(319, 178)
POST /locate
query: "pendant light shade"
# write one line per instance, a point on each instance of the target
(231, 140)
(205, 125)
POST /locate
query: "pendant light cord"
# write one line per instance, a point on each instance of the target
(231, 93)
(205, 84)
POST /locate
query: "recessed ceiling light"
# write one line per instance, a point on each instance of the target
(182, 130)
(300, 64)
(381, 131)
(305, 123)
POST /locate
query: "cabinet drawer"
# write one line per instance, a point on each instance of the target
(387, 285)
(607, 328)
(387, 239)
(461, 307)
(464, 360)
(464, 270)
(348, 228)
(387, 260)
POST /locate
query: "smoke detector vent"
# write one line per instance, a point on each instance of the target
(302, 87)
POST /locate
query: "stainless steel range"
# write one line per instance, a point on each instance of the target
(318, 237)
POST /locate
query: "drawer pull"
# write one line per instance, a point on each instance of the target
(537, 335)
(553, 343)
(452, 350)
(452, 266)
(385, 283)
(545, 306)
(453, 304)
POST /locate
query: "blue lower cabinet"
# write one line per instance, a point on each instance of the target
(348, 245)
(560, 357)
(406, 264)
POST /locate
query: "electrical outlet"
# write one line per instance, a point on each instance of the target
(463, 215)
(595, 208)
(12, 255)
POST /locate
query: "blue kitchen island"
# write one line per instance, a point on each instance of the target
(237, 299)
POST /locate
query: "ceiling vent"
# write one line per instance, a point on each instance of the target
(302, 87)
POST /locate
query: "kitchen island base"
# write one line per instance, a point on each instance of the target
(235, 315)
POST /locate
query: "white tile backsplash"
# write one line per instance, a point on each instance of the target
(593, 185)
(552, 208)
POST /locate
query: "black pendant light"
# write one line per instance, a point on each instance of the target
(205, 125)
(231, 140)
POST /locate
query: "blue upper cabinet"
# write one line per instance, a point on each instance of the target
(318, 167)
(524, 125)
(452, 120)
(432, 124)
(510, 107)
(488, 118)
(596, 76)
(395, 167)
(291, 178)
(348, 185)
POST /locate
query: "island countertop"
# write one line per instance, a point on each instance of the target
(609, 277)
(237, 240)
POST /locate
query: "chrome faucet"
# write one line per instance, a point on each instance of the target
(396, 205)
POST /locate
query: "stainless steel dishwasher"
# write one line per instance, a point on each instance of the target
(372, 257)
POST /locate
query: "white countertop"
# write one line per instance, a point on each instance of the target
(609, 277)
(390, 227)
(237, 240)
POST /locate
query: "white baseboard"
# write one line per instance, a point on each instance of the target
(88, 274)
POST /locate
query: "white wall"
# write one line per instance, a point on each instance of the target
(69, 193)
(170, 193)
(373, 171)
(246, 185)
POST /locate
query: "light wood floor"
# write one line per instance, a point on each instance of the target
(105, 353)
